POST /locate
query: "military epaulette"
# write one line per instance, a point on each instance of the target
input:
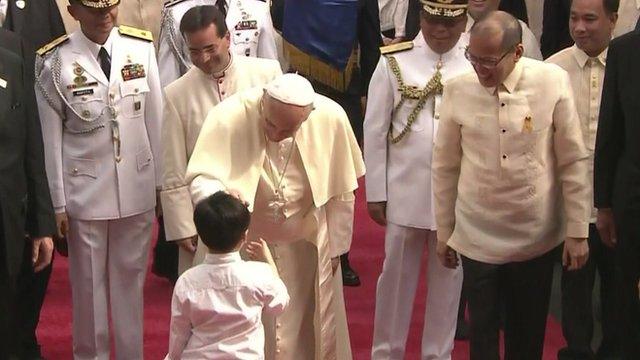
(394, 48)
(135, 33)
(52, 45)
(171, 3)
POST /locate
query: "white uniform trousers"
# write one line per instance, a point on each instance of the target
(107, 266)
(396, 291)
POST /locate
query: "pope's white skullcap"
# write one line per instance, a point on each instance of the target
(291, 89)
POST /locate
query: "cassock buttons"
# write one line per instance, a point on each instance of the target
(504, 157)
(504, 131)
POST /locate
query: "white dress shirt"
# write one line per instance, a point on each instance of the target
(4, 9)
(628, 13)
(393, 15)
(587, 76)
(216, 310)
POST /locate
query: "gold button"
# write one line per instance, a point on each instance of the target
(86, 113)
(278, 326)
(75, 170)
(278, 338)
(112, 95)
(84, 98)
(136, 90)
(437, 116)
(278, 351)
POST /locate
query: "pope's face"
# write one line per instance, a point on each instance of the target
(478, 8)
(208, 50)
(95, 23)
(280, 120)
(590, 26)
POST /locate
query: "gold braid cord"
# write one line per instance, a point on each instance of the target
(433, 87)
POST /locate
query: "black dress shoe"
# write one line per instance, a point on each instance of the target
(349, 276)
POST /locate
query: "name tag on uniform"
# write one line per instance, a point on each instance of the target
(3, 83)
(133, 71)
(247, 25)
(83, 92)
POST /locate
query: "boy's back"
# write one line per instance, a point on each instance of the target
(217, 308)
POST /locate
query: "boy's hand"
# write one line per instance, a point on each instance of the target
(259, 251)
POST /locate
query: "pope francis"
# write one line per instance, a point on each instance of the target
(291, 153)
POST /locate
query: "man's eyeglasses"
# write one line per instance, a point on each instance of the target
(486, 63)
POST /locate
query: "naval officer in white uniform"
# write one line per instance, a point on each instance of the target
(399, 133)
(100, 105)
(249, 23)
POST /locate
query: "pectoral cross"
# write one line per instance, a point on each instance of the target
(276, 206)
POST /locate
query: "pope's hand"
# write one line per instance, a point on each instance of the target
(448, 257)
(62, 224)
(41, 252)
(606, 227)
(575, 253)
(190, 244)
(236, 194)
(378, 212)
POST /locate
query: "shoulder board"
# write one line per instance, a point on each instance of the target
(135, 33)
(52, 45)
(394, 48)
(171, 3)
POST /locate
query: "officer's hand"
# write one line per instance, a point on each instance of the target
(190, 244)
(396, 40)
(62, 223)
(378, 212)
(41, 252)
(606, 227)
(575, 253)
(448, 257)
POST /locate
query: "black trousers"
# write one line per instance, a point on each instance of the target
(627, 274)
(523, 288)
(32, 288)
(165, 255)
(577, 305)
(8, 335)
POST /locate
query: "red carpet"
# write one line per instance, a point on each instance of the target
(366, 256)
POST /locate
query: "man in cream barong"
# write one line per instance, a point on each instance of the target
(292, 155)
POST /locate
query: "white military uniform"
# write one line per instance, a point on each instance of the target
(187, 103)
(249, 23)
(400, 174)
(529, 40)
(102, 141)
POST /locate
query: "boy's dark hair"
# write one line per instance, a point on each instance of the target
(221, 220)
(201, 17)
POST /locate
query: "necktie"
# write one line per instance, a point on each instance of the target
(222, 6)
(105, 61)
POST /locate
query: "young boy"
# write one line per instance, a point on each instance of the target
(217, 306)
